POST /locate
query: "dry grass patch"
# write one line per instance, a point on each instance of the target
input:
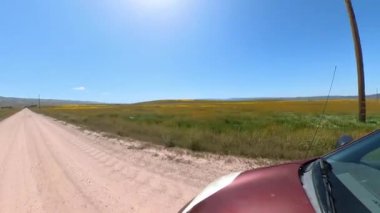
(267, 129)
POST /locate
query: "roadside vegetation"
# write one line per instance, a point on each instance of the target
(6, 112)
(268, 129)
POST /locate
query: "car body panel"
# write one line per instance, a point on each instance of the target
(271, 189)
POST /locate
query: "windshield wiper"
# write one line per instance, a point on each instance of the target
(325, 170)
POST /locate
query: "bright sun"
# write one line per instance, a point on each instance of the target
(156, 4)
(157, 12)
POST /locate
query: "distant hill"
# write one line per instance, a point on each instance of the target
(335, 97)
(22, 102)
(374, 96)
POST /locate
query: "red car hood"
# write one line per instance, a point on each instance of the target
(272, 189)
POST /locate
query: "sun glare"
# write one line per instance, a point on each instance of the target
(163, 15)
(156, 4)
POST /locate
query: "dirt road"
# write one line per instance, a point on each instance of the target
(46, 166)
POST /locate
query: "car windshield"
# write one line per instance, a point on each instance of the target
(355, 174)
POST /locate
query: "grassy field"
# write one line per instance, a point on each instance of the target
(269, 129)
(4, 113)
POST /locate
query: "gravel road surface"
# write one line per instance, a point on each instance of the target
(49, 166)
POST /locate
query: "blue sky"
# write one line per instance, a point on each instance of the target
(137, 50)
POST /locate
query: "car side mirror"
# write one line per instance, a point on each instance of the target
(344, 139)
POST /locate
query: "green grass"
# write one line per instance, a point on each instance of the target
(269, 129)
(4, 113)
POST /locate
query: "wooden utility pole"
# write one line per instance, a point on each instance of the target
(359, 61)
